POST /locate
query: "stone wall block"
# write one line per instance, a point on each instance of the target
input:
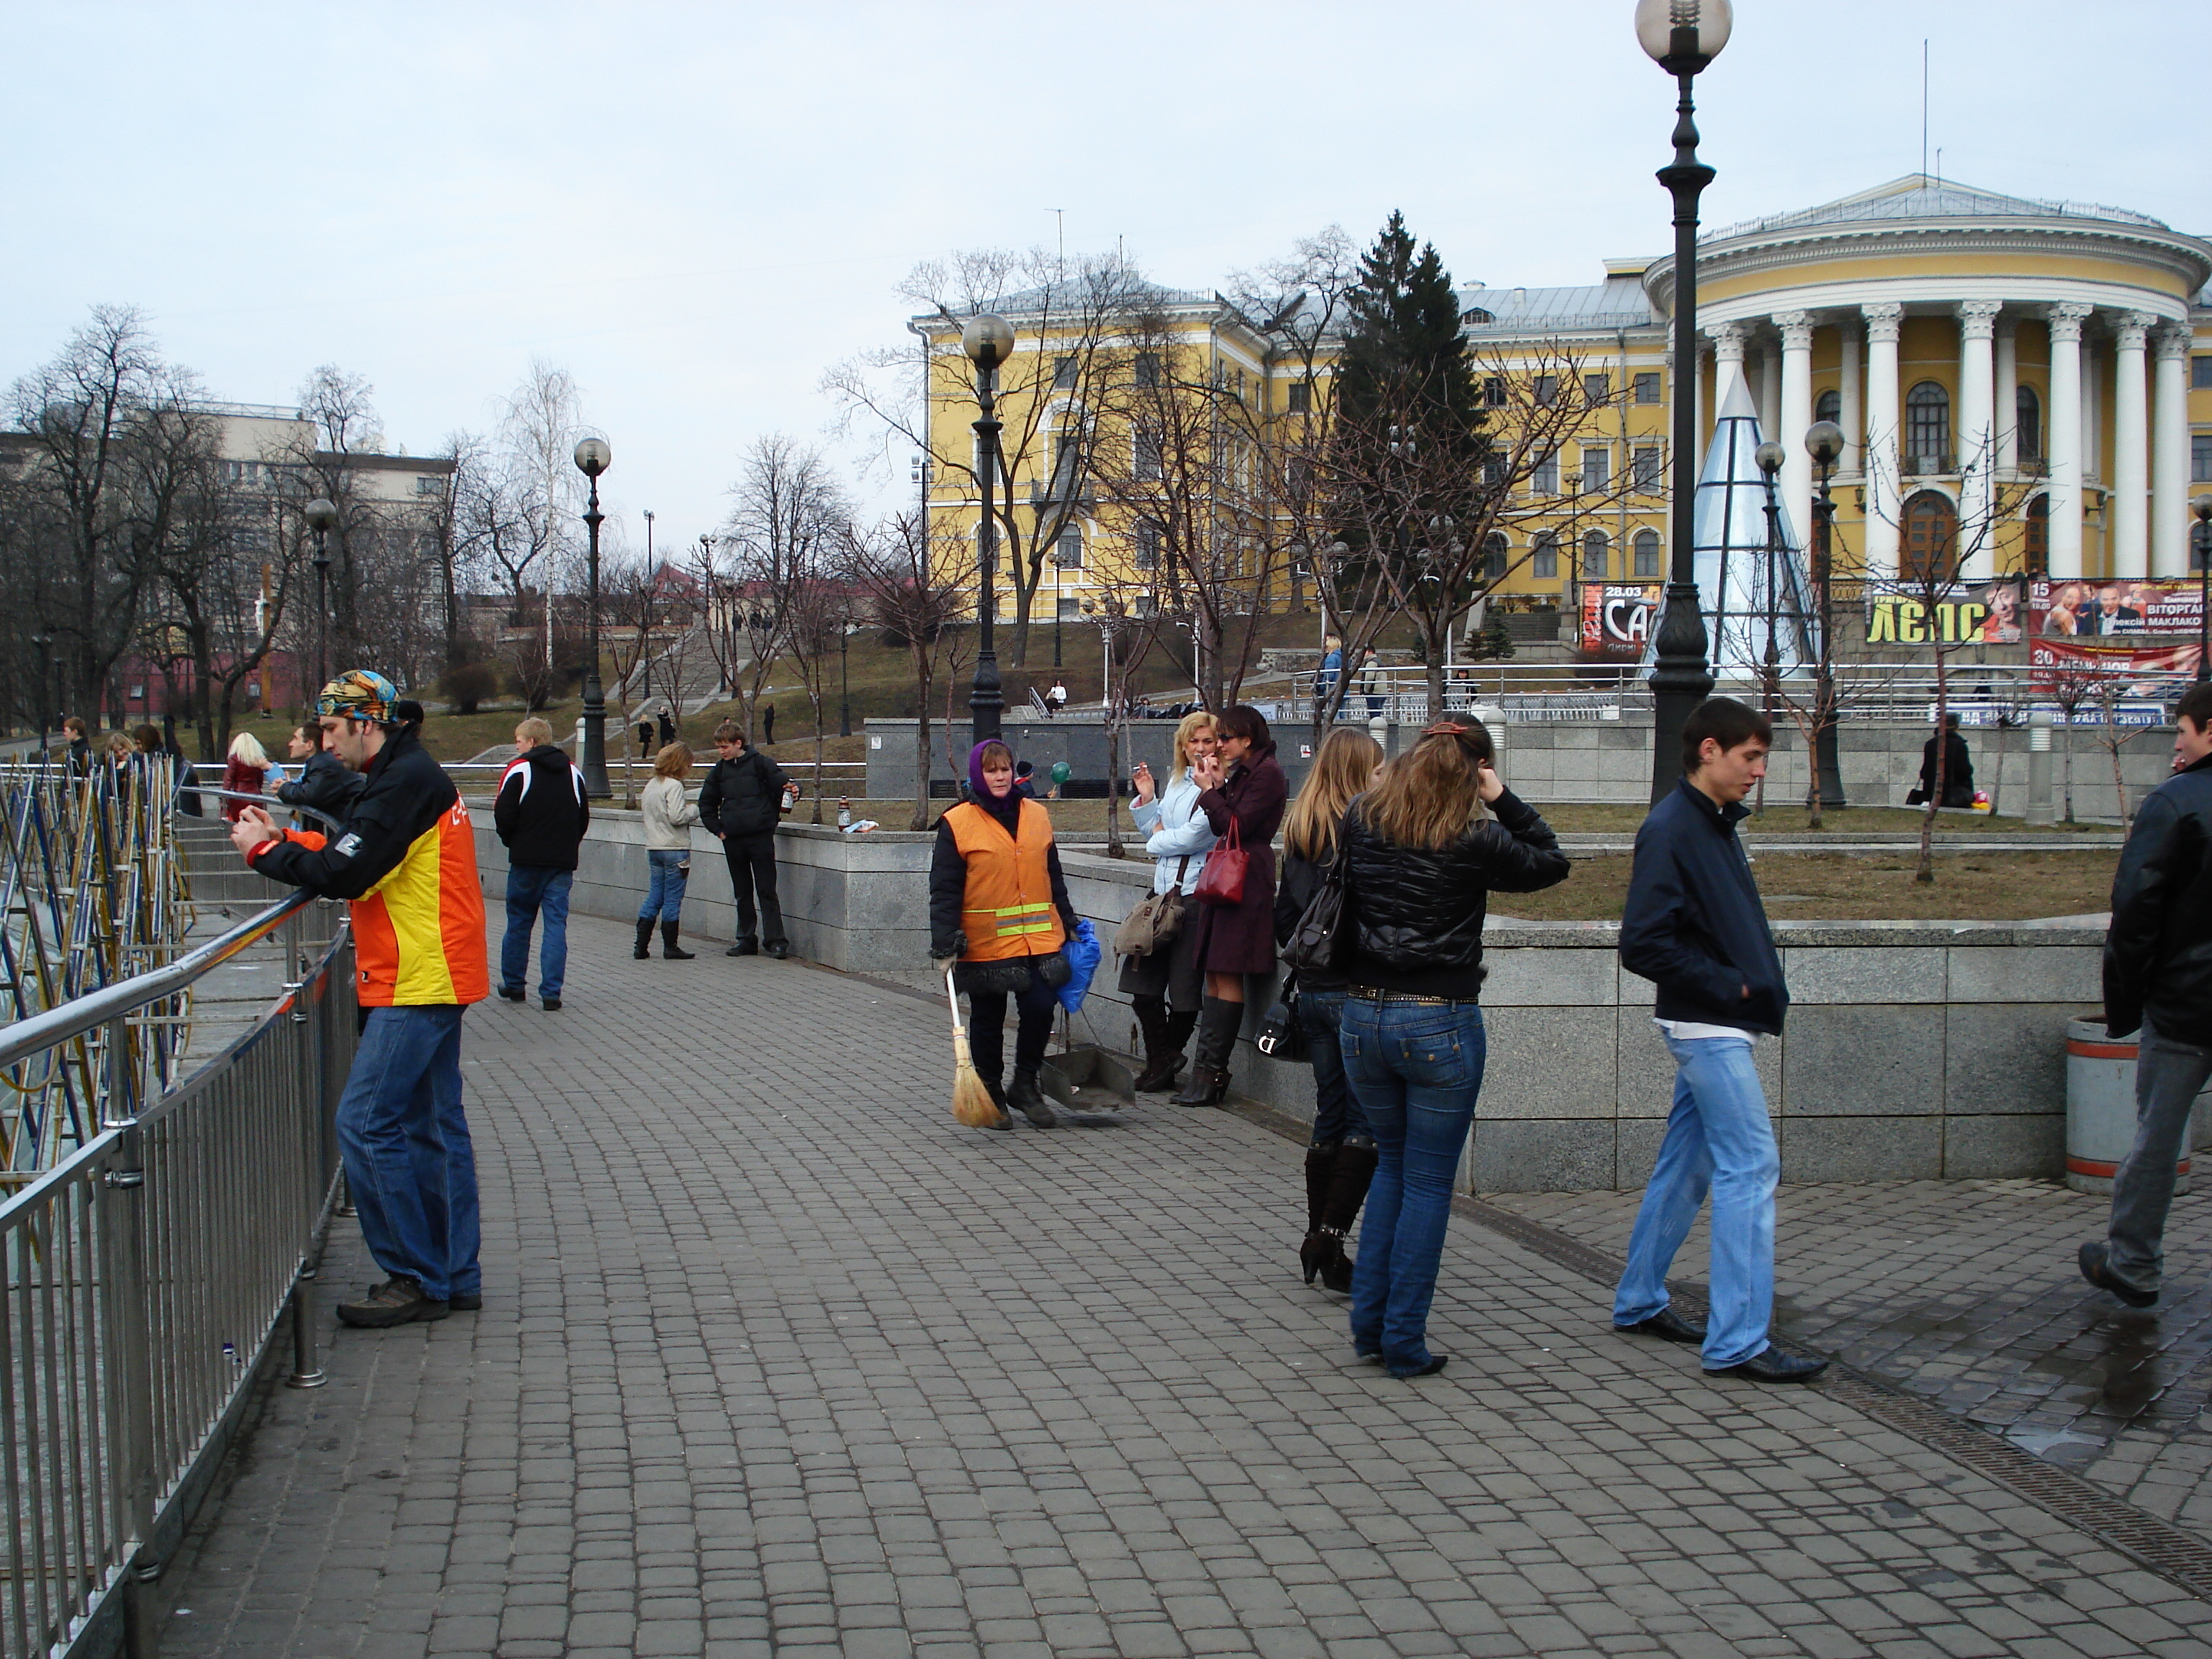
(1865, 1062)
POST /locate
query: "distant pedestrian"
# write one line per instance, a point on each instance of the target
(1331, 669)
(668, 820)
(1423, 850)
(1694, 927)
(767, 724)
(644, 735)
(1341, 1154)
(667, 731)
(1026, 780)
(1166, 987)
(1957, 788)
(741, 802)
(2157, 982)
(540, 812)
(1056, 699)
(79, 748)
(324, 782)
(999, 908)
(1371, 681)
(243, 772)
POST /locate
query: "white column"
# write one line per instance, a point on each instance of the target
(2130, 448)
(2064, 445)
(1727, 362)
(1853, 415)
(1796, 413)
(1769, 391)
(2169, 450)
(1976, 437)
(1883, 322)
(2008, 403)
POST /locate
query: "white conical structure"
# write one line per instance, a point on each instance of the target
(1750, 593)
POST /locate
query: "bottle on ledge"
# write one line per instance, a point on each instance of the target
(844, 813)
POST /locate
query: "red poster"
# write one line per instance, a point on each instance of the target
(2129, 605)
(2133, 671)
(1618, 619)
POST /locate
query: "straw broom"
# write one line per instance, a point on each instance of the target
(971, 1102)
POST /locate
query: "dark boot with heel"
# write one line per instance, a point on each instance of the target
(1218, 1023)
(669, 949)
(1347, 1190)
(644, 951)
(1321, 1170)
(1163, 1060)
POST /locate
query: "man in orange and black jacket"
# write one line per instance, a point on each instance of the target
(405, 860)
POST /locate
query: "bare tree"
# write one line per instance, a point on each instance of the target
(786, 514)
(897, 573)
(815, 621)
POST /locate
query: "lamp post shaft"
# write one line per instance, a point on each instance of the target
(1829, 773)
(985, 701)
(844, 682)
(595, 701)
(2203, 553)
(322, 617)
(1681, 677)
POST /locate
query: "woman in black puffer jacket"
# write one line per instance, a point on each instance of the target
(1423, 850)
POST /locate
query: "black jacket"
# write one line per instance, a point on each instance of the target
(542, 810)
(743, 795)
(1299, 879)
(1693, 924)
(324, 784)
(403, 793)
(1958, 771)
(1416, 912)
(2158, 955)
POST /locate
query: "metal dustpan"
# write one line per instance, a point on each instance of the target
(1089, 1085)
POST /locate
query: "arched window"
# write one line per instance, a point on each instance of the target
(1647, 553)
(2028, 415)
(1927, 429)
(1544, 556)
(1829, 406)
(1931, 538)
(2035, 550)
(1595, 559)
(1496, 549)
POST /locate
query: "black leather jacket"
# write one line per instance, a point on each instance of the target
(1417, 913)
(2158, 955)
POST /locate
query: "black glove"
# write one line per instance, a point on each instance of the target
(958, 947)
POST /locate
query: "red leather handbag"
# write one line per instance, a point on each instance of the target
(1222, 881)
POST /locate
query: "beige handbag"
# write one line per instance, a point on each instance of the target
(1156, 921)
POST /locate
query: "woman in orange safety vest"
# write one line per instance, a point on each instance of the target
(998, 904)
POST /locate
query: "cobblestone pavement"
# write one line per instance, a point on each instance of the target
(777, 1360)
(1966, 1294)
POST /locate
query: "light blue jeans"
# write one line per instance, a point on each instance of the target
(410, 1165)
(1416, 1069)
(671, 874)
(1718, 1140)
(532, 891)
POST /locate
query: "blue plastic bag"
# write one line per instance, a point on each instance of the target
(1083, 952)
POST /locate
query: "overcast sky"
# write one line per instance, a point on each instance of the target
(694, 208)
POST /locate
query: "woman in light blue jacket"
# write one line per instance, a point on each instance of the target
(1168, 988)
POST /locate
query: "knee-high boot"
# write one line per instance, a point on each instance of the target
(1218, 1024)
(1162, 1059)
(1347, 1191)
(644, 951)
(1321, 1170)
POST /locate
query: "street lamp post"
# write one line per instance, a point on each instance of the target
(988, 340)
(1770, 457)
(844, 679)
(322, 517)
(594, 458)
(645, 623)
(1683, 36)
(1824, 441)
(1058, 565)
(2201, 507)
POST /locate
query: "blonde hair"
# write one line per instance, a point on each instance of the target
(1189, 723)
(672, 762)
(536, 730)
(1344, 768)
(1429, 797)
(120, 744)
(246, 749)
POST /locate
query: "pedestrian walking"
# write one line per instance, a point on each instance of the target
(540, 813)
(1341, 1154)
(668, 820)
(1240, 785)
(1331, 670)
(323, 783)
(1694, 927)
(999, 911)
(406, 862)
(1423, 851)
(768, 725)
(2158, 983)
(741, 802)
(1166, 987)
(244, 769)
(1370, 682)
(667, 731)
(644, 735)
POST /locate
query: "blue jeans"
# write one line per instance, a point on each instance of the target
(409, 1165)
(532, 888)
(670, 872)
(1337, 1115)
(1415, 1069)
(1718, 1138)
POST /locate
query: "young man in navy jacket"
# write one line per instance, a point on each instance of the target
(1694, 927)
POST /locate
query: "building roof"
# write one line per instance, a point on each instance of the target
(1916, 196)
(1617, 302)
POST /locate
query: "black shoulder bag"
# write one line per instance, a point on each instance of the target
(1319, 947)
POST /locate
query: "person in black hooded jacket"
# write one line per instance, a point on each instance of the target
(541, 813)
(1423, 851)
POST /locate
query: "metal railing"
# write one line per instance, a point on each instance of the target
(146, 1276)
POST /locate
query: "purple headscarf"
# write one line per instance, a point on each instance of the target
(1006, 808)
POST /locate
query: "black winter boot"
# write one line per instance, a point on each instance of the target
(1347, 1191)
(644, 951)
(1162, 1062)
(1218, 1025)
(669, 949)
(1029, 1100)
(1321, 1170)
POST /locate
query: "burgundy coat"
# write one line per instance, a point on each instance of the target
(1242, 940)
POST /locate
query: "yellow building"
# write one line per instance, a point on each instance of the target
(2040, 369)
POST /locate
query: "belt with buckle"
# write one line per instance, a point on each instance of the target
(1372, 994)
